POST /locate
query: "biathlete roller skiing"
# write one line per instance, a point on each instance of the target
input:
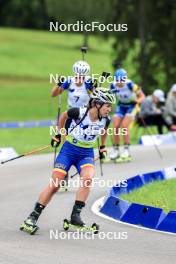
(129, 96)
(78, 87)
(87, 123)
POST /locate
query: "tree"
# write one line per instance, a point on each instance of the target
(151, 27)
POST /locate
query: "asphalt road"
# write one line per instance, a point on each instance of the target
(22, 180)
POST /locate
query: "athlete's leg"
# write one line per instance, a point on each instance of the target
(87, 174)
(43, 200)
(117, 119)
(116, 125)
(129, 116)
(87, 171)
(125, 125)
(62, 165)
(46, 195)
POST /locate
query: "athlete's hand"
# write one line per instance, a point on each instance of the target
(60, 81)
(102, 152)
(95, 83)
(56, 140)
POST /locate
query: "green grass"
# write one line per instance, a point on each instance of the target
(27, 59)
(157, 194)
(35, 54)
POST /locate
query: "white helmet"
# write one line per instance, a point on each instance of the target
(103, 95)
(81, 68)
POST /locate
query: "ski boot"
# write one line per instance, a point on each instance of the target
(125, 156)
(76, 220)
(77, 224)
(115, 154)
(29, 225)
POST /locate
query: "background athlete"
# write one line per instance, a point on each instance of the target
(128, 96)
(78, 87)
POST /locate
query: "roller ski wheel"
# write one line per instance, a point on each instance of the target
(31, 229)
(63, 189)
(64, 185)
(123, 159)
(107, 160)
(93, 228)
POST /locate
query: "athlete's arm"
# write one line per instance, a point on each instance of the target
(139, 94)
(56, 91)
(104, 135)
(91, 84)
(102, 149)
(103, 138)
(63, 117)
(60, 87)
(140, 97)
(72, 113)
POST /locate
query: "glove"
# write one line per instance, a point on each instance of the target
(56, 140)
(102, 152)
(95, 83)
(113, 90)
(60, 81)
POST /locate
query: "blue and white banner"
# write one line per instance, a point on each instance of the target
(28, 124)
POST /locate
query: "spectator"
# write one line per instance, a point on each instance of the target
(170, 109)
(151, 112)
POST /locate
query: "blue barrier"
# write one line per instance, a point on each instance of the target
(134, 183)
(114, 207)
(169, 223)
(132, 214)
(118, 190)
(138, 214)
(143, 215)
(152, 176)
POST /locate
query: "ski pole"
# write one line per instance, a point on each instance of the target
(148, 131)
(83, 50)
(58, 115)
(27, 154)
(101, 167)
(77, 172)
(105, 75)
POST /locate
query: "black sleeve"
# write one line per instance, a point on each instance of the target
(73, 113)
(108, 121)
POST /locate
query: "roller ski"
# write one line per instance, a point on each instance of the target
(124, 157)
(76, 222)
(29, 225)
(63, 188)
(106, 160)
(94, 228)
